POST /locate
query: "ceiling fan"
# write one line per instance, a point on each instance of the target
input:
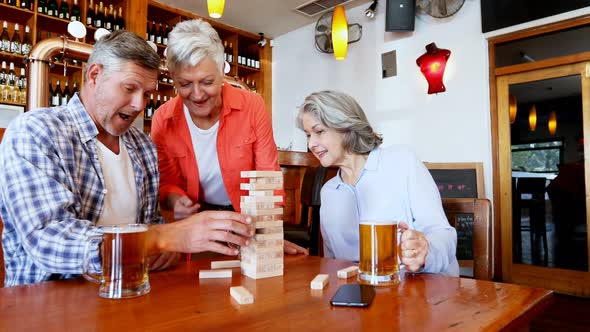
(440, 8)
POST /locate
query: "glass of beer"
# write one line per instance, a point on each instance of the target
(378, 261)
(124, 261)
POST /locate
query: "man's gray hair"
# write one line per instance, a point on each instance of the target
(339, 111)
(121, 46)
(192, 41)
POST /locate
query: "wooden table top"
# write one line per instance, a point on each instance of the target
(179, 301)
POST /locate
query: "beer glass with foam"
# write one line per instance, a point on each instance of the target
(378, 261)
(124, 262)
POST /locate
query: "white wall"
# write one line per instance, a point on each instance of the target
(453, 126)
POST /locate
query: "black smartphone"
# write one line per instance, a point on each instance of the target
(353, 296)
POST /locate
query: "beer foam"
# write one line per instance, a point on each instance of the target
(379, 222)
(124, 229)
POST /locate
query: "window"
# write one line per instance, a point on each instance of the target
(537, 157)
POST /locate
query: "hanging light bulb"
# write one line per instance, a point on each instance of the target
(339, 32)
(533, 118)
(552, 124)
(215, 8)
(513, 109)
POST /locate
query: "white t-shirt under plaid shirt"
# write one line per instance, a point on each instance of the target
(52, 191)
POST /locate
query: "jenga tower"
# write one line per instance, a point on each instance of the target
(263, 258)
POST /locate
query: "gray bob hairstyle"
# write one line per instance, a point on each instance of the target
(339, 111)
(192, 41)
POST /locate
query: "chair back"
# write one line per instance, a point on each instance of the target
(313, 181)
(472, 219)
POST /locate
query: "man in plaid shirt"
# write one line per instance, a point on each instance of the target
(65, 170)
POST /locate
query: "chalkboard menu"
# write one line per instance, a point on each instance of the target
(458, 180)
(464, 227)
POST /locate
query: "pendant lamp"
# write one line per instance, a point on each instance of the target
(339, 32)
(215, 8)
(512, 108)
(533, 118)
(552, 124)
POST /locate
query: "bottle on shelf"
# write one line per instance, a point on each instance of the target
(253, 86)
(159, 34)
(27, 44)
(112, 18)
(120, 19)
(98, 17)
(90, 15)
(256, 60)
(225, 52)
(149, 110)
(74, 88)
(51, 8)
(153, 32)
(158, 103)
(64, 10)
(165, 35)
(65, 96)
(75, 15)
(108, 23)
(26, 4)
(56, 96)
(230, 54)
(4, 38)
(12, 95)
(3, 85)
(22, 87)
(10, 2)
(15, 43)
(42, 6)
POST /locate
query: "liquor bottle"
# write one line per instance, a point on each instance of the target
(74, 89)
(230, 54)
(165, 99)
(253, 87)
(64, 10)
(22, 87)
(26, 4)
(15, 43)
(149, 110)
(56, 96)
(159, 34)
(27, 44)
(98, 16)
(165, 35)
(90, 15)
(158, 103)
(153, 32)
(65, 96)
(75, 16)
(4, 38)
(11, 80)
(225, 50)
(120, 19)
(111, 18)
(3, 73)
(52, 8)
(42, 6)
(10, 2)
(3, 85)
(256, 60)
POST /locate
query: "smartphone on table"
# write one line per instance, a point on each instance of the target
(352, 295)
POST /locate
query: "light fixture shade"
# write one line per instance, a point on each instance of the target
(432, 65)
(339, 33)
(533, 118)
(215, 8)
(512, 108)
(552, 123)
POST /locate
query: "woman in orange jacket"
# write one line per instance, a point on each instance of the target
(210, 131)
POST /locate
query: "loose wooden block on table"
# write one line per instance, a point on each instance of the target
(348, 272)
(225, 264)
(241, 295)
(320, 281)
(212, 274)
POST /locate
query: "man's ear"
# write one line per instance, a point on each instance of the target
(92, 73)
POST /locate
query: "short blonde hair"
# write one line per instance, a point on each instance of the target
(339, 111)
(192, 41)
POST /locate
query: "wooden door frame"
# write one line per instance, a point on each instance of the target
(493, 74)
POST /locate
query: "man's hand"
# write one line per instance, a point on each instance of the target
(414, 248)
(163, 261)
(293, 249)
(204, 231)
(183, 207)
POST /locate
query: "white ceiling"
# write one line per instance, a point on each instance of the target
(272, 17)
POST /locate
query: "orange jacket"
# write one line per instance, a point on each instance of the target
(244, 142)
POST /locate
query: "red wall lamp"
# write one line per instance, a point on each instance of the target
(432, 65)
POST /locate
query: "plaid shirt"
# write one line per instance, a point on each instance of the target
(52, 191)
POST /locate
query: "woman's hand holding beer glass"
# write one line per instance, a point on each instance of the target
(414, 248)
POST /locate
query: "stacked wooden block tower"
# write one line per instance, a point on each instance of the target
(263, 258)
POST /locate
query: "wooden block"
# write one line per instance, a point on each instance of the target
(261, 275)
(270, 267)
(261, 186)
(261, 199)
(261, 193)
(348, 272)
(320, 281)
(266, 224)
(258, 206)
(265, 271)
(262, 259)
(271, 236)
(275, 251)
(274, 217)
(211, 274)
(266, 243)
(260, 174)
(277, 180)
(241, 295)
(262, 212)
(225, 264)
(269, 230)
